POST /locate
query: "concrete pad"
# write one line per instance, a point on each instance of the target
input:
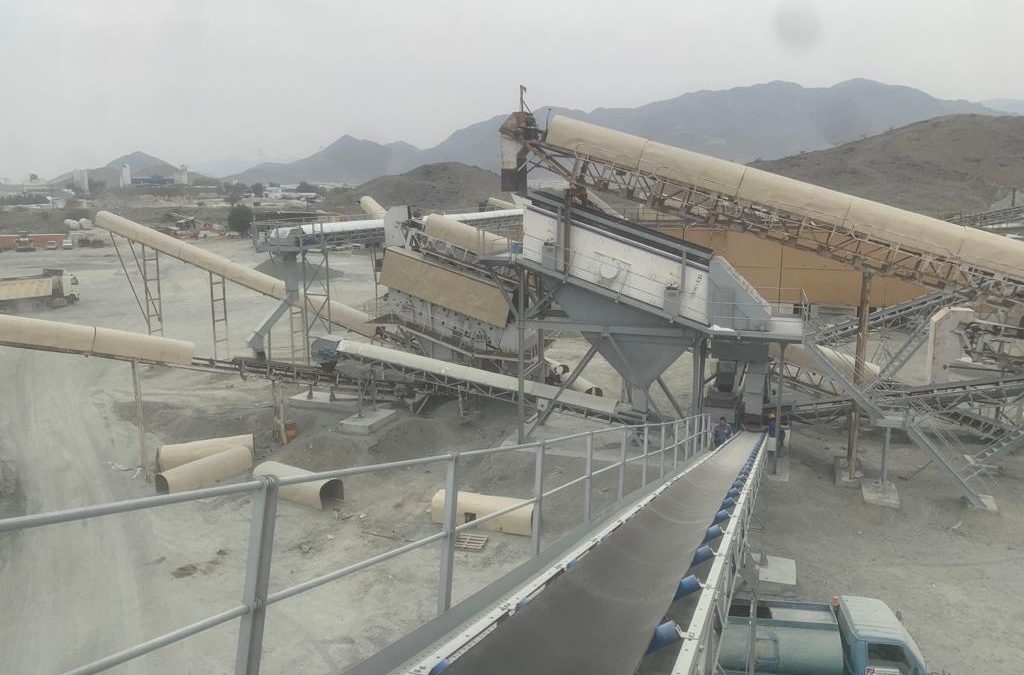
(778, 571)
(989, 504)
(781, 474)
(321, 400)
(371, 421)
(877, 493)
(841, 477)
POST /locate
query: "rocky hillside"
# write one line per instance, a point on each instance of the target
(939, 167)
(448, 186)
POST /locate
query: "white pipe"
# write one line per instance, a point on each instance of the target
(500, 203)
(472, 505)
(205, 471)
(464, 236)
(173, 455)
(371, 207)
(19, 331)
(311, 494)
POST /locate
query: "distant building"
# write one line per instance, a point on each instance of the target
(82, 181)
(153, 181)
(126, 175)
(181, 175)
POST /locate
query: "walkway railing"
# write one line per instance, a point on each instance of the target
(660, 443)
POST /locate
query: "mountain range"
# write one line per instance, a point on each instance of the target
(743, 124)
(770, 120)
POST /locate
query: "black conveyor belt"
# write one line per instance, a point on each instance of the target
(598, 617)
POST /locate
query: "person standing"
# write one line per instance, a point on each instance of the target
(772, 426)
(722, 432)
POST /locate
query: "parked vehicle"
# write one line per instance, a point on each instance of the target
(24, 243)
(51, 245)
(52, 288)
(852, 636)
(67, 245)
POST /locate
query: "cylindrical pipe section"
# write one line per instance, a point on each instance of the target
(172, 455)
(206, 471)
(464, 236)
(371, 207)
(314, 494)
(472, 505)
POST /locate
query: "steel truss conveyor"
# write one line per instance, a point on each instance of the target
(606, 609)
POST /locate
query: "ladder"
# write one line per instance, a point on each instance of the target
(219, 316)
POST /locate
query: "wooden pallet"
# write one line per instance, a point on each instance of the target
(465, 541)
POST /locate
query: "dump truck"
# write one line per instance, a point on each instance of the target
(52, 288)
(24, 243)
(851, 636)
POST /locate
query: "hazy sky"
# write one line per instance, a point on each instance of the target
(82, 81)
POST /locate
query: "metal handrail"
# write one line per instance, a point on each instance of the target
(256, 594)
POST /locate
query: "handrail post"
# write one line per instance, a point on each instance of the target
(451, 508)
(675, 446)
(643, 469)
(257, 578)
(538, 496)
(622, 464)
(661, 471)
(587, 483)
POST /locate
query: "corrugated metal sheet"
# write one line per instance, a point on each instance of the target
(408, 271)
(26, 289)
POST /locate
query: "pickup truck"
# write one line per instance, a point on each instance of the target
(852, 636)
(52, 288)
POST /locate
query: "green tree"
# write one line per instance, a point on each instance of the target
(257, 189)
(307, 187)
(240, 218)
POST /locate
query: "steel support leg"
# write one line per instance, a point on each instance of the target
(257, 579)
(622, 464)
(538, 494)
(451, 503)
(588, 482)
(140, 421)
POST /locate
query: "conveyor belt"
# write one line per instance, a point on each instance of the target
(598, 617)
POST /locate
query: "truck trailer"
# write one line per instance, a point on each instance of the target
(851, 636)
(51, 288)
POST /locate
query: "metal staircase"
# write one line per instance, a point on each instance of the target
(928, 433)
(923, 425)
(1010, 442)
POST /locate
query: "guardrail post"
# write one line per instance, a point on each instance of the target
(706, 435)
(257, 578)
(538, 496)
(688, 441)
(622, 464)
(447, 567)
(587, 483)
(643, 469)
(675, 446)
(661, 471)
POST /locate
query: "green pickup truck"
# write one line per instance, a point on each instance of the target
(852, 636)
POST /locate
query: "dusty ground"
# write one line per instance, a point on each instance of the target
(69, 437)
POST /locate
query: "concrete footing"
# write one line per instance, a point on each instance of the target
(371, 421)
(841, 476)
(882, 494)
(989, 503)
(781, 474)
(321, 400)
(776, 572)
